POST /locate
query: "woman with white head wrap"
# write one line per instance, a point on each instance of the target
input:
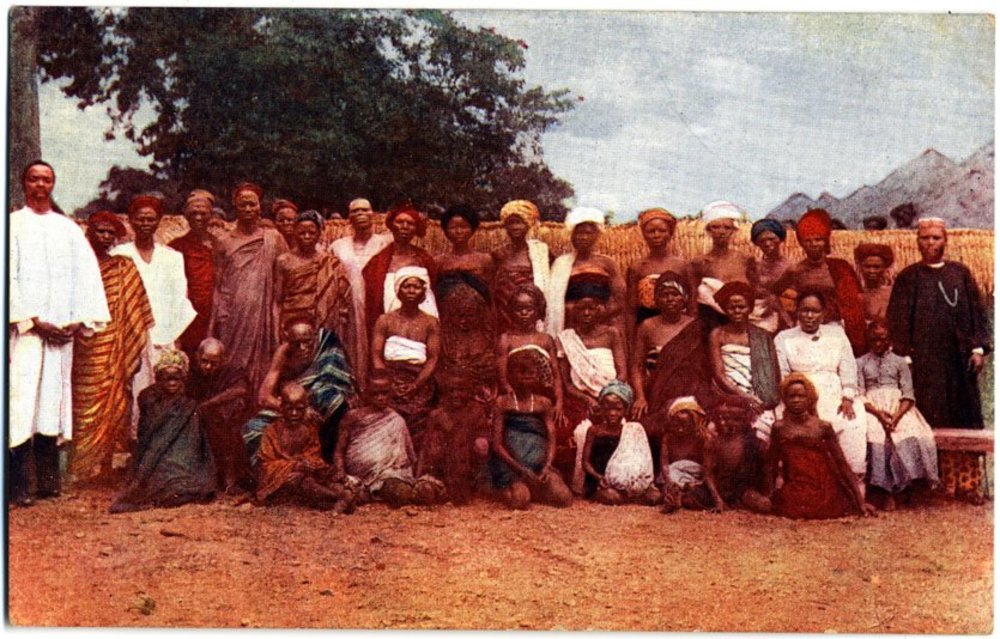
(723, 264)
(406, 343)
(585, 225)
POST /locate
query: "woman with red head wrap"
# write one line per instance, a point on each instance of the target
(835, 277)
(406, 224)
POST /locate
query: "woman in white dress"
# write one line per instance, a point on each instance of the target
(823, 353)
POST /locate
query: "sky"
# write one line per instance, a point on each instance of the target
(680, 109)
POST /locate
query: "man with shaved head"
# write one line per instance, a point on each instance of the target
(354, 251)
(222, 392)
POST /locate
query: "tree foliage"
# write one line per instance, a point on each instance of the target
(316, 105)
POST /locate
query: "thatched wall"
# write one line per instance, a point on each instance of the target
(973, 247)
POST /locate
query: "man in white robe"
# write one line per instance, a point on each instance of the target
(162, 271)
(55, 292)
(354, 251)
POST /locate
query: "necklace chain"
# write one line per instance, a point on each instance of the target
(951, 302)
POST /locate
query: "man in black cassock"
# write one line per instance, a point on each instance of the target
(936, 318)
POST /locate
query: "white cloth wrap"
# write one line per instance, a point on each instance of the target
(686, 474)
(555, 294)
(630, 469)
(402, 349)
(590, 369)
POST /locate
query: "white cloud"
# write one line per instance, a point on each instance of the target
(683, 108)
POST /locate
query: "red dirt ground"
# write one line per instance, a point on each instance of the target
(927, 570)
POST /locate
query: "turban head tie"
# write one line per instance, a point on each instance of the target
(672, 280)
(814, 223)
(523, 209)
(729, 289)
(620, 390)
(311, 215)
(687, 402)
(583, 214)
(172, 358)
(145, 201)
(247, 186)
(108, 217)
(409, 272)
(763, 226)
(649, 215)
(408, 209)
(200, 195)
(721, 210)
(277, 205)
(869, 249)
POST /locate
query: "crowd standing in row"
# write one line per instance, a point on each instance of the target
(257, 361)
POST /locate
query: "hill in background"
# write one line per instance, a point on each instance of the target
(961, 193)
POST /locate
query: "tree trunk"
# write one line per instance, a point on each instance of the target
(22, 108)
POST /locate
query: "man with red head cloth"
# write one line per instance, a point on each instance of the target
(832, 276)
(105, 363)
(196, 246)
(162, 271)
(243, 300)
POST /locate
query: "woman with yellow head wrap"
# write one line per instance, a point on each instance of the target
(522, 261)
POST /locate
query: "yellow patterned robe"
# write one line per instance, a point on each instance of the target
(103, 367)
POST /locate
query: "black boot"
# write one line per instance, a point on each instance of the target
(47, 466)
(19, 488)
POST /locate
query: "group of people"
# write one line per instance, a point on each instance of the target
(254, 359)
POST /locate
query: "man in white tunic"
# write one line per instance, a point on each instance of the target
(354, 251)
(55, 292)
(162, 271)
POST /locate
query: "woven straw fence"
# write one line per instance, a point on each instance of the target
(972, 247)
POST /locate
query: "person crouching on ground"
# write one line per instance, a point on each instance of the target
(524, 441)
(173, 461)
(687, 459)
(457, 440)
(289, 461)
(375, 449)
(616, 453)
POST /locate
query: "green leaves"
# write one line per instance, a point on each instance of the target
(317, 105)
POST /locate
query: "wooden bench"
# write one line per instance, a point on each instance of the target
(962, 439)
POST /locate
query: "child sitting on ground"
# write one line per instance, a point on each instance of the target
(687, 459)
(374, 447)
(738, 456)
(616, 454)
(456, 441)
(289, 461)
(524, 442)
(528, 311)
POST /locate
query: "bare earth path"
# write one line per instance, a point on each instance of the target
(631, 568)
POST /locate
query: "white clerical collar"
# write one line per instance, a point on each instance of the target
(937, 265)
